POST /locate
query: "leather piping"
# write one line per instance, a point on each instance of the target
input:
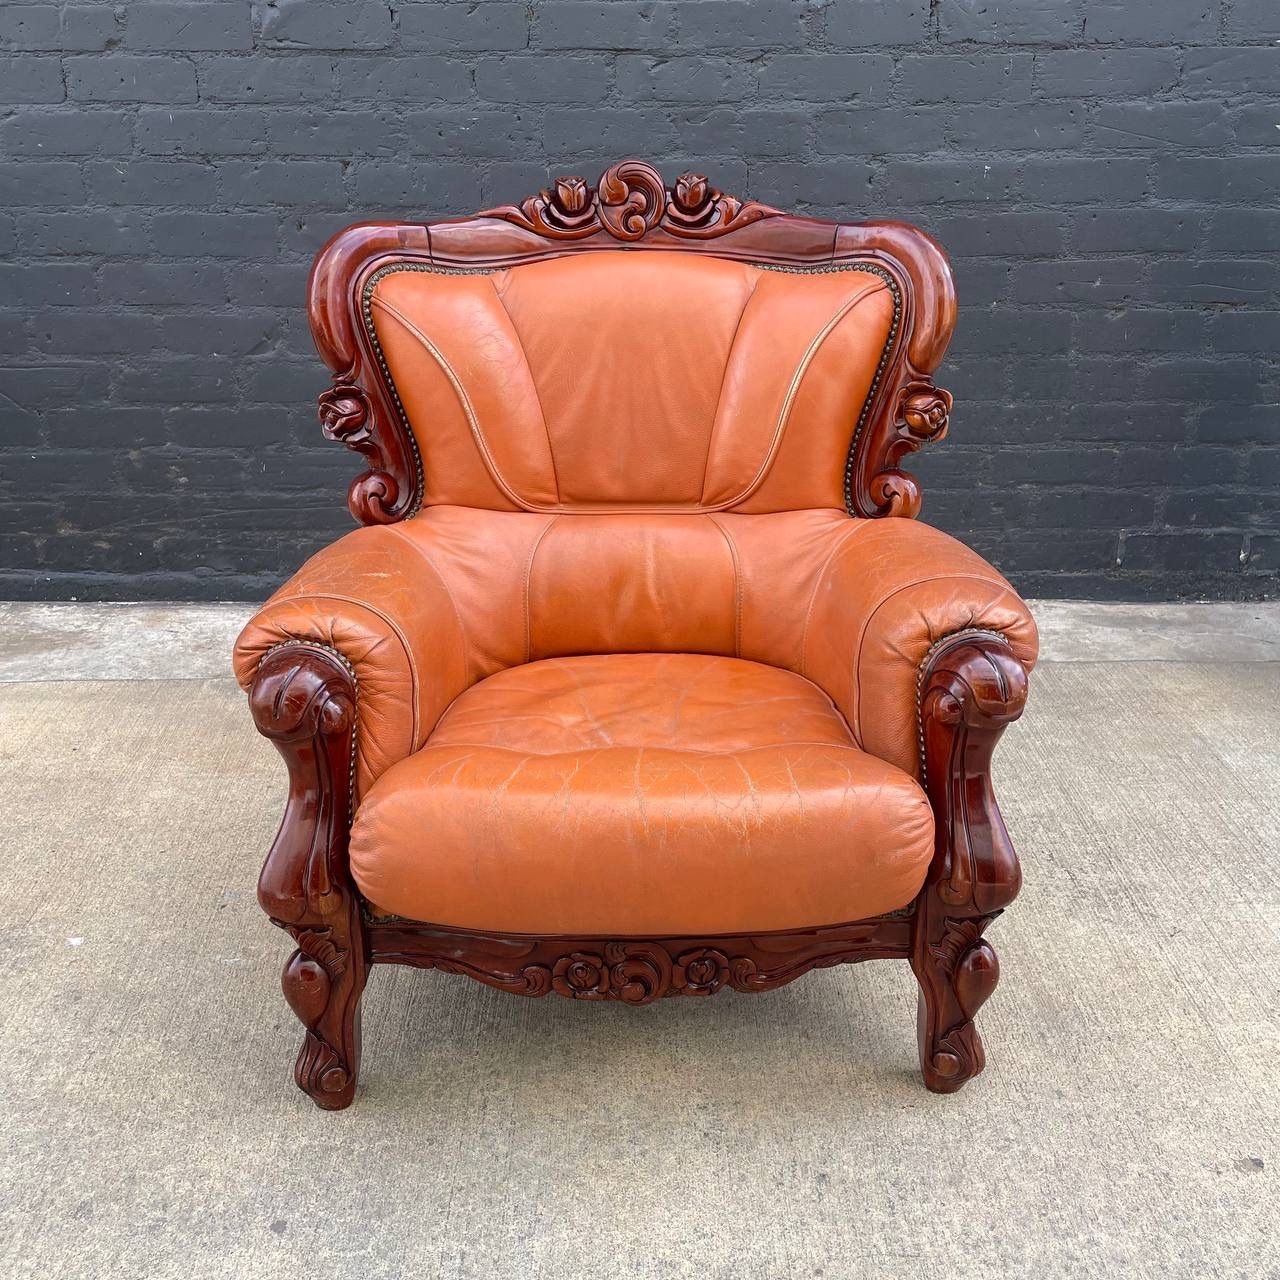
(844, 538)
(724, 376)
(528, 587)
(464, 401)
(793, 391)
(680, 750)
(500, 294)
(737, 585)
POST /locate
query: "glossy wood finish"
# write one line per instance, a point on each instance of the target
(632, 208)
(971, 688)
(304, 700)
(638, 971)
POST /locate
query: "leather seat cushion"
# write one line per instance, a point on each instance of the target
(649, 793)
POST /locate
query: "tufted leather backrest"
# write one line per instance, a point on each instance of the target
(621, 381)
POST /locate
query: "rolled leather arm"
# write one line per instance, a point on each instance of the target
(887, 596)
(394, 624)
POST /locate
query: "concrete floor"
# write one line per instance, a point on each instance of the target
(1126, 1126)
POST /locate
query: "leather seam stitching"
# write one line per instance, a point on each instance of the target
(526, 505)
(448, 595)
(528, 580)
(524, 355)
(870, 618)
(737, 582)
(793, 391)
(692, 751)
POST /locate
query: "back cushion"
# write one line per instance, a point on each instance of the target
(645, 381)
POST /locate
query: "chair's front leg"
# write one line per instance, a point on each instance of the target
(971, 687)
(304, 700)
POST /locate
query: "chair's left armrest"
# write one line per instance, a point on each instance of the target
(392, 626)
(887, 598)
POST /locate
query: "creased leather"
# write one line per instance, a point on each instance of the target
(886, 596)
(392, 619)
(616, 380)
(632, 668)
(641, 793)
(426, 608)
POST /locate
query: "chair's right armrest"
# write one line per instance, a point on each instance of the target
(892, 591)
(392, 625)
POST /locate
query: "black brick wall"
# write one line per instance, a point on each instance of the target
(1104, 173)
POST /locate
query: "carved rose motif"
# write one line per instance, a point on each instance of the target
(925, 409)
(702, 972)
(690, 192)
(343, 410)
(628, 202)
(571, 195)
(581, 975)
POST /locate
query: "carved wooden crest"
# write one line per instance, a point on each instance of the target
(631, 206)
(630, 200)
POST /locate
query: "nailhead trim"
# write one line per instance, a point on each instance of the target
(924, 666)
(428, 268)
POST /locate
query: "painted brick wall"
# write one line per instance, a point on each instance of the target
(1104, 173)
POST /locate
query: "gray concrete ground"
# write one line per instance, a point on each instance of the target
(1126, 1125)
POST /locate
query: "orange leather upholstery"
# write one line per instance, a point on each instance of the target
(631, 667)
(667, 381)
(641, 794)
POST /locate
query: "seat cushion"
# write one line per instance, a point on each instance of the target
(662, 794)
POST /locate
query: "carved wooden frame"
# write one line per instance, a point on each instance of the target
(305, 699)
(632, 208)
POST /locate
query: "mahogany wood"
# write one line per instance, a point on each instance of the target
(304, 700)
(971, 688)
(637, 970)
(632, 208)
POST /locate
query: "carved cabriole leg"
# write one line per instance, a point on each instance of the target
(971, 687)
(304, 700)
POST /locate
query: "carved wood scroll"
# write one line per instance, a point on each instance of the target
(637, 971)
(629, 201)
(632, 208)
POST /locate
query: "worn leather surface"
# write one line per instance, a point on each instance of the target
(656, 475)
(641, 793)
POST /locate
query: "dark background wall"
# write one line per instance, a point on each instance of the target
(1104, 173)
